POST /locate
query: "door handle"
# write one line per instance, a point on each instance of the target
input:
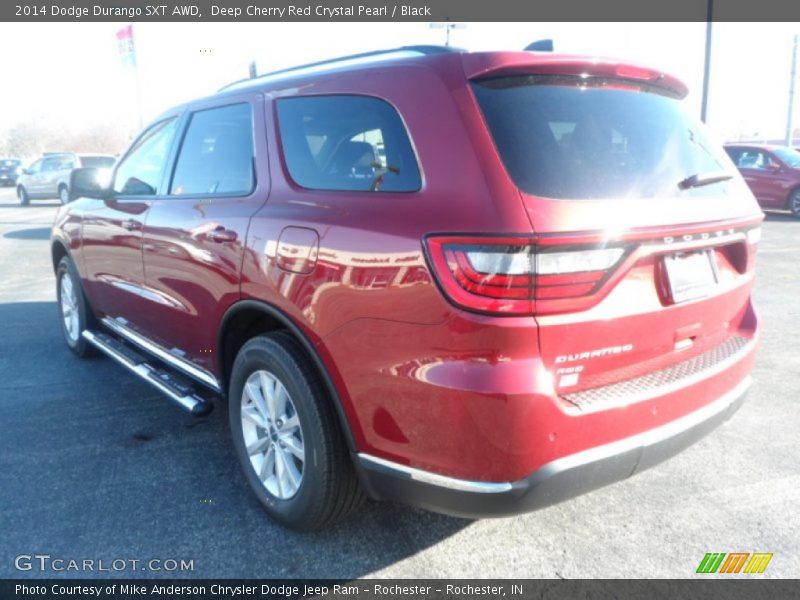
(131, 224)
(221, 235)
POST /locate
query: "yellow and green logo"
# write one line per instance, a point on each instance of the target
(734, 562)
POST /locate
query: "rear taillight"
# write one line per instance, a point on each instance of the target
(516, 276)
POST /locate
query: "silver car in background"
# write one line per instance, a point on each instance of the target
(48, 177)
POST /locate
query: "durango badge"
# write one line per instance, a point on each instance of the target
(565, 358)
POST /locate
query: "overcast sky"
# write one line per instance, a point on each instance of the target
(72, 73)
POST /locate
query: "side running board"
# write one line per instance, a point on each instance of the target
(173, 386)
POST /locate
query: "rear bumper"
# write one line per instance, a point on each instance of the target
(556, 481)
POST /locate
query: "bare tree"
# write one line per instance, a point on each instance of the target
(30, 138)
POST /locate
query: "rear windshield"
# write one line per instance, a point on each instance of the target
(572, 137)
(9, 163)
(97, 162)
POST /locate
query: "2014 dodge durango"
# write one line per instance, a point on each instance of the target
(480, 283)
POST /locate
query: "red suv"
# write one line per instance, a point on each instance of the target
(480, 283)
(772, 172)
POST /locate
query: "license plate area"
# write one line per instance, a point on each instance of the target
(690, 275)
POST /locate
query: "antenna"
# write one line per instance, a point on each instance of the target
(448, 27)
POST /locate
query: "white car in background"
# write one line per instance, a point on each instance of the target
(48, 177)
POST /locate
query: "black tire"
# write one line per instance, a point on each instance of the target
(794, 203)
(329, 488)
(85, 317)
(22, 194)
(63, 194)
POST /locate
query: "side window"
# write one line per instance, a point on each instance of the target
(747, 160)
(771, 161)
(755, 159)
(140, 171)
(216, 156)
(355, 143)
(65, 163)
(734, 154)
(50, 164)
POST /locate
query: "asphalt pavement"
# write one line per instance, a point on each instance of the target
(95, 464)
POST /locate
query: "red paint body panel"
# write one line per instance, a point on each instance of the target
(422, 382)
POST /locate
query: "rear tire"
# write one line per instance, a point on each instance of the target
(287, 437)
(76, 315)
(22, 195)
(63, 194)
(794, 203)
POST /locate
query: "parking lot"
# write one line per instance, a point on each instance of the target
(96, 464)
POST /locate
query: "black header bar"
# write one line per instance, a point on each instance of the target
(399, 11)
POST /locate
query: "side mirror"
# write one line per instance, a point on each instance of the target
(136, 187)
(88, 183)
(24, 171)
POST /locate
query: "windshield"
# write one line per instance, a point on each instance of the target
(8, 163)
(789, 156)
(571, 137)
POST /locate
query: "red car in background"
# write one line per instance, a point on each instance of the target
(478, 283)
(772, 172)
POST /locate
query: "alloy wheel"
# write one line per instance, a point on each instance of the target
(795, 207)
(69, 308)
(272, 434)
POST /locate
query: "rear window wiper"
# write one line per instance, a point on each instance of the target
(701, 179)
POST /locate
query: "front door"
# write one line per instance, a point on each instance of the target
(31, 178)
(112, 228)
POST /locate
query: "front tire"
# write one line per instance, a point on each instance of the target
(287, 437)
(75, 313)
(22, 195)
(794, 203)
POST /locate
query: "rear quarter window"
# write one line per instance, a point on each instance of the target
(347, 142)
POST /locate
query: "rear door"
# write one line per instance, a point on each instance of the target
(112, 228)
(194, 235)
(63, 170)
(30, 178)
(782, 175)
(637, 266)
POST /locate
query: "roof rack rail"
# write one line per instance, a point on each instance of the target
(423, 50)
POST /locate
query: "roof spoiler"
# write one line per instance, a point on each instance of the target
(483, 65)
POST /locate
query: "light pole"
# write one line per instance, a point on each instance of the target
(707, 66)
(790, 115)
